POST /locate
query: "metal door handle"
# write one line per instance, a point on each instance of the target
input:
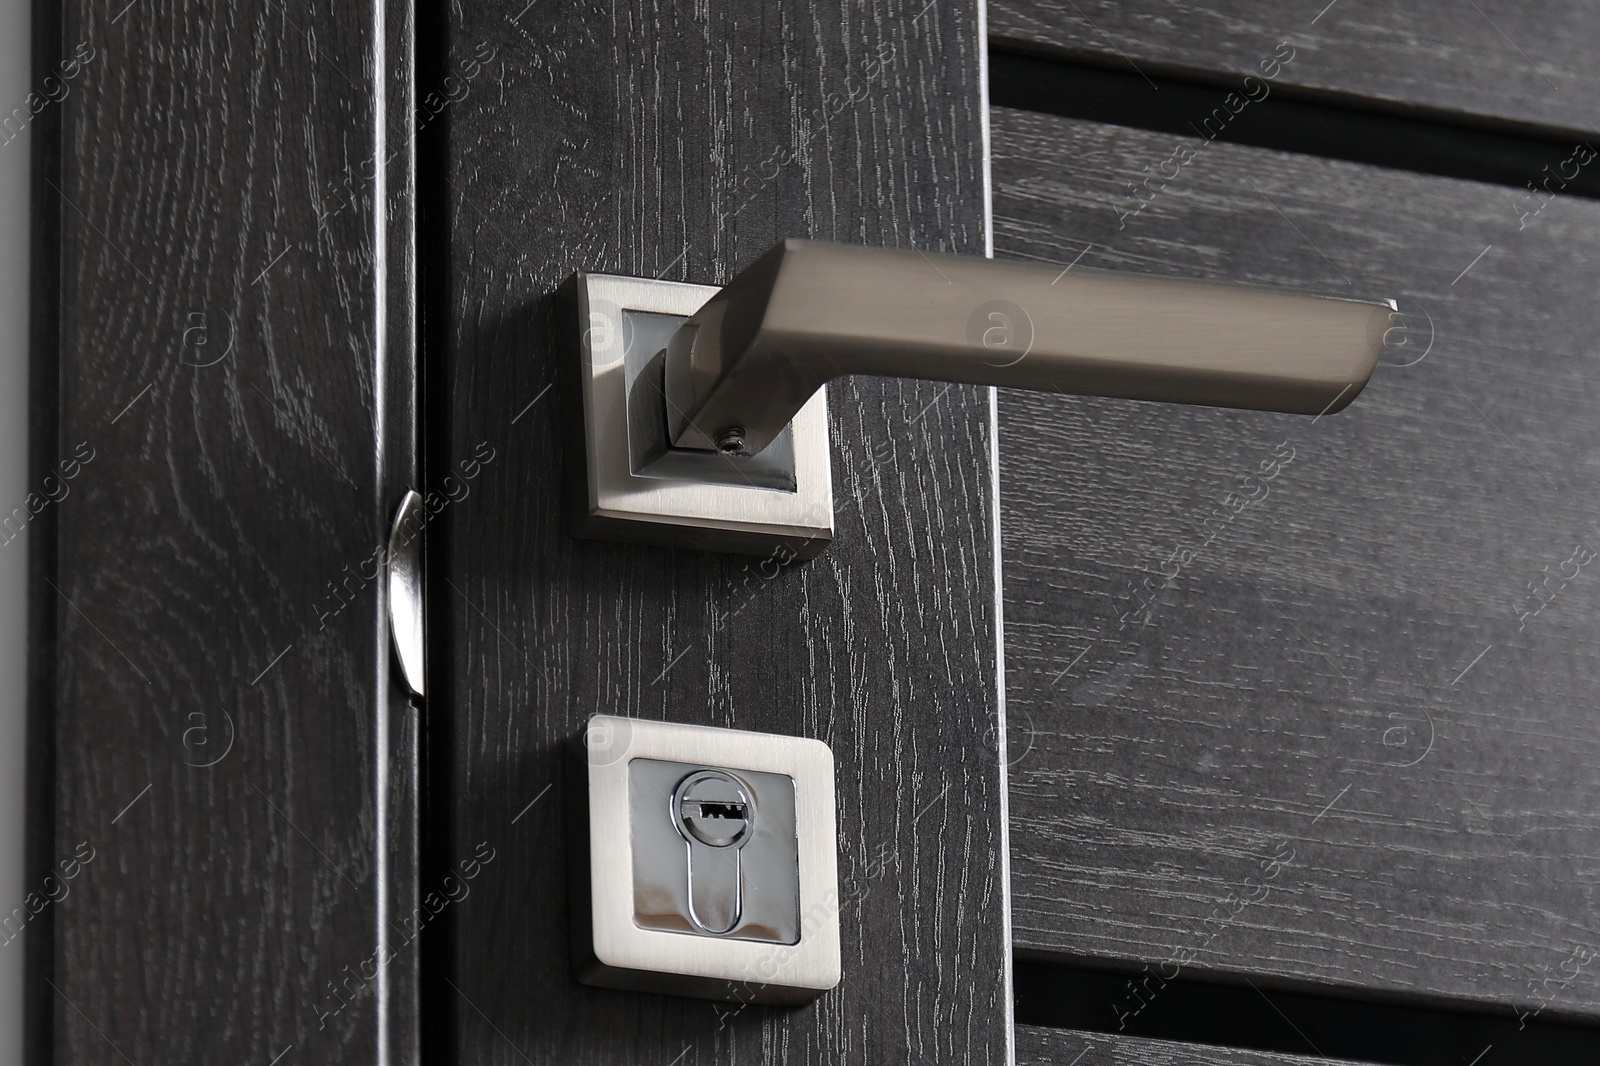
(705, 420)
(741, 367)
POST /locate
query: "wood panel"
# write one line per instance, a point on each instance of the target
(1069, 1047)
(224, 818)
(1497, 61)
(1312, 700)
(678, 141)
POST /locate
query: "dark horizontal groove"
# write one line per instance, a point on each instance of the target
(1276, 120)
(1243, 1016)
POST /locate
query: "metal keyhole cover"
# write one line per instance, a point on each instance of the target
(714, 808)
(715, 850)
(634, 924)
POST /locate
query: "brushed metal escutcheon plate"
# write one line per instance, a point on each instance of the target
(637, 486)
(703, 862)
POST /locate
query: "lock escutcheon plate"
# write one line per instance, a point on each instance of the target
(778, 964)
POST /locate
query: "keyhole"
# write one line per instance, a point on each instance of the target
(715, 814)
(714, 808)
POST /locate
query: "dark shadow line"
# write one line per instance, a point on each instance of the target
(1392, 1032)
(1309, 124)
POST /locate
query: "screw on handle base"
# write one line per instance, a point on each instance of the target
(730, 441)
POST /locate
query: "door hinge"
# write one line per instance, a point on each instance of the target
(406, 620)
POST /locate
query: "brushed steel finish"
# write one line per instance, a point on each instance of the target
(406, 624)
(808, 312)
(611, 949)
(686, 498)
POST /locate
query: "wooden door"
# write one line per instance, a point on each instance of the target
(1329, 749)
(1302, 712)
(680, 141)
(224, 761)
(275, 840)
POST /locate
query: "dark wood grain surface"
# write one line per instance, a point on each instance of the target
(1312, 701)
(1069, 1047)
(1496, 61)
(671, 140)
(227, 828)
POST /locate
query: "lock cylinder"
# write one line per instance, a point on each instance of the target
(716, 816)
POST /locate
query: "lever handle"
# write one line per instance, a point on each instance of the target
(741, 367)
